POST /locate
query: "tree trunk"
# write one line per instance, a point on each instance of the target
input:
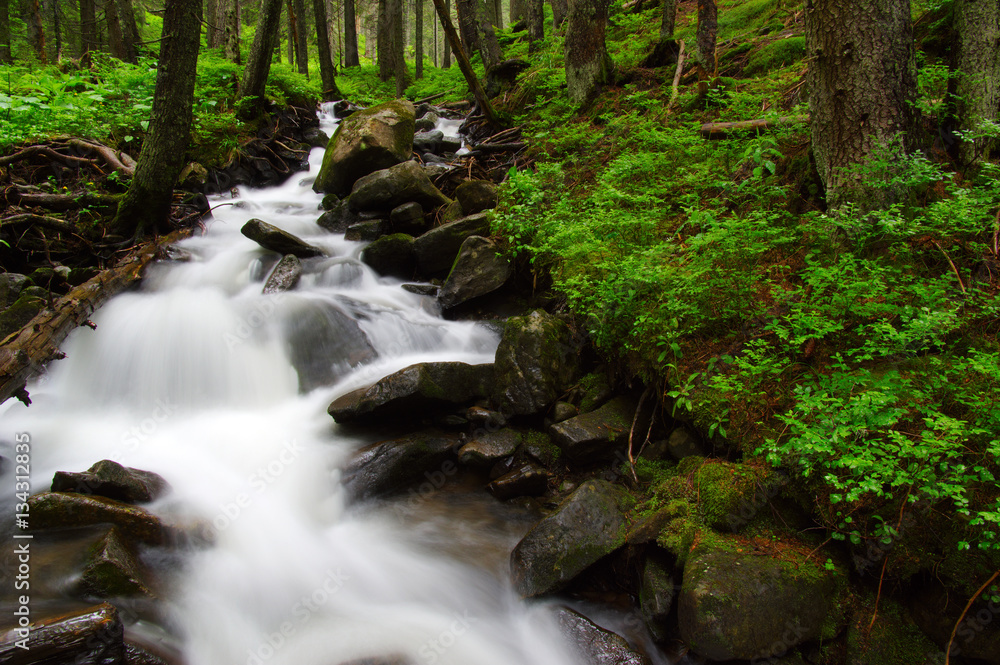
(977, 23)
(327, 73)
(518, 11)
(862, 87)
(213, 33)
(536, 23)
(559, 9)
(708, 28)
(88, 27)
(301, 42)
(445, 46)
(56, 30)
(116, 41)
(130, 33)
(588, 65)
(231, 30)
(6, 57)
(489, 47)
(36, 30)
(418, 38)
(496, 16)
(467, 25)
(290, 21)
(394, 8)
(668, 18)
(259, 60)
(351, 58)
(384, 46)
(146, 206)
(463, 63)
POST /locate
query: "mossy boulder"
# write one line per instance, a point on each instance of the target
(369, 140)
(476, 195)
(590, 524)
(389, 466)
(594, 645)
(392, 187)
(738, 604)
(58, 509)
(892, 638)
(436, 250)
(596, 436)
(113, 570)
(479, 268)
(110, 479)
(391, 255)
(18, 315)
(408, 218)
(278, 240)
(536, 361)
(657, 592)
(414, 392)
(11, 284)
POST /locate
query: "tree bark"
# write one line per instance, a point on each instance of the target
(668, 18)
(56, 30)
(384, 39)
(301, 43)
(518, 11)
(559, 10)
(400, 72)
(213, 31)
(6, 57)
(708, 29)
(489, 47)
(467, 25)
(36, 30)
(463, 62)
(116, 41)
(418, 38)
(351, 58)
(327, 73)
(130, 33)
(862, 86)
(290, 19)
(146, 205)
(977, 23)
(496, 16)
(231, 30)
(259, 60)
(588, 65)
(536, 23)
(445, 46)
(88, 27)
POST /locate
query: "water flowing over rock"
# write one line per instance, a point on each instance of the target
(595, 645)
(391, 255)
(369, 140)
(436, 250)
(414, 392)
(89, 636)
(285, 275)
(57, 509)
(479, 268)
(598, 435)
(271, 237)
(587, 526)
(387, 466)
(325, 343)
(536, 361)
(740, 606)
(110, 479)
(388, 188)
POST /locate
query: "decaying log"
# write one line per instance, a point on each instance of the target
(27, 219)
(719, 130)
(23, 353)
(66, 201)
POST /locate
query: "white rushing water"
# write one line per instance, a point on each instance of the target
(223, 391)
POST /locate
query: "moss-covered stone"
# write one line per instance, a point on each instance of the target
(480, 268)
(892, 638)
(595, 436)
(57, 509)
(391, 255)
(596, 391)
(656, 593)
(112, 570)
(539, 445)
(15, 317)
(386, 189)
(436, 250)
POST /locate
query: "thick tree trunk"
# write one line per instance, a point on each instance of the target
(467, 25)
(88, 27)
(518, 10)
(327, 73)
(394, 9)
(146, 206)
(116, 41)
(351, 58)
(213, 31)
(489, 47)
(588, 65)
(708, 29)
(977, 23)
(36, 30)
(862, 86)
(445, 46)
(301, 43)
(6, 57)
(384, 47)
(259, 60)
(231, 30)
(463, 63)
(536, 23)
(668, 18)
(559, 10)
(130, 33)
(418, 38)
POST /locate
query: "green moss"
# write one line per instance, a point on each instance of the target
(893, 638)
(777, 54)
(596, 391)
(678, 534)
(539, 445)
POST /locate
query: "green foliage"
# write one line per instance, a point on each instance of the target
(777, 54)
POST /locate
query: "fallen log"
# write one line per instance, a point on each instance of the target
(45, 151)
(719, 130)
(90, 635)
(68, 201)
(25, 352)
(29, 219)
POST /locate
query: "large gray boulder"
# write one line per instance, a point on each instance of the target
(271, 237)
(436, 250)
(388, 466)
(414, 392)
(480, 268)
(595, 436)
(737, 605)
(369, 140)
(388, 188)
(587, 526)
(110, 479)
(536, 361)
(595, 645)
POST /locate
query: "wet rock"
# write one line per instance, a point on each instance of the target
(595, 436)
(476, 196)
(422, 289)
(936, 609)
(110, 479)
(285, 275)
(427, 121)
(338, 218)
(539, 445)
(563, 411)
(345, 109)
(485, 418)
(18, 315)
(587, 526)
(656, 595)
(486, 448)
(453, 213)
(193, 176)
(428, 141)
(436, 167)
(11, 284)
(537, 359)
(682, 443)
(436, 250)
(449, 144)
(741, 606)
(112, 570)
(137, 654)
(271, 237)
(366, 231)
(414, 392)
(89, 636)
(391, 255)
(57, 509)
(369, 140)
(325, 343)
(389, 466)
(527, 479)
(479, 268)
(388, 188)
(315, 137)
(595, 645)
(408, 218)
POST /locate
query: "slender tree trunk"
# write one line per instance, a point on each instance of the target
(290, 22)
(383, 43)
(130, 33)
(434, 32)
(588, 65)
(559, 9)
(394, 8)
(536, 23)
(231, 31)
(213, 35)
(708, 28)
(860, 98)
(467, 25)
(668, 18)
(56, 30)
(445, 45)
(350, 36)
(145, 208)
(463, 63)
(518, 11)
(489, 47)
(497, 15)
(88, 27)
(6, 57)
(259, 60)
(301, 42)
(36, 30)
(977, 23)
(276, 47)
(418, 38)
(327, 73)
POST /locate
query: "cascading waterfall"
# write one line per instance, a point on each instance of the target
(223, 391)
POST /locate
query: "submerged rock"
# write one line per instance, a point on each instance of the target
(436, 250)
(479, 269)
(595, 645)
(595, 436)
(388, 466)
(285, 275)
(271, 237)
(414, 392)
(89, 636)
(324, 344)
(388, 188)
(110, 479)
(587, 526)
(58, 509)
